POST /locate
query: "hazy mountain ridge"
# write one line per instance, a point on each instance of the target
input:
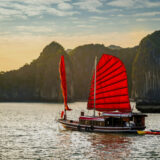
(114, 47)
(83, 58)
(40, 81)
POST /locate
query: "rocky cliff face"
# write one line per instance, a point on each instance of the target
(48, 81)
(146, 70)
(83, 61)
(38, 81)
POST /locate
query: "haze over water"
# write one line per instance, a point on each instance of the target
(30, 131)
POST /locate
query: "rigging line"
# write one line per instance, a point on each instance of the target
(95, 86)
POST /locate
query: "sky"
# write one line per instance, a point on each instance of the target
(27, 26)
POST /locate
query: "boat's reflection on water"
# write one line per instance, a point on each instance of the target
(111, 146)
(96, 145)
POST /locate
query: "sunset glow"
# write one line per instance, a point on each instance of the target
(28, 26)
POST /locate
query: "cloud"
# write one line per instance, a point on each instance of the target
(34, 29)
(85, 26)
(147, 14)
(147, 19)
(99, 18)
(121, 3)
(23, 49)
(6, 33)
(64, 6)
(30, 8)
(8, 12)
(89, 5)
(150, 4)
(40, 2)
(57, 12)
(141, 19)
(133, 3)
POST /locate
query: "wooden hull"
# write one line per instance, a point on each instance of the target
(74, 125)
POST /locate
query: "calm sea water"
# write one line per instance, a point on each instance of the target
(30, 131)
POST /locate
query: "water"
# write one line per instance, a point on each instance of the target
(30, 131)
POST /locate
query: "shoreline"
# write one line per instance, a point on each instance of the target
(142, 107)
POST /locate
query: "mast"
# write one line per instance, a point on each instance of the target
(95, 86)
(65, 114)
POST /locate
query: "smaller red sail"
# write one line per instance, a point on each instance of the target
(63, 81)
(111, 86)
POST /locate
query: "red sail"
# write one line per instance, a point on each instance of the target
(111, 86)
(63, 81)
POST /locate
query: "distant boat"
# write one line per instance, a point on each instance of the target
(149, 132)
(108, 96)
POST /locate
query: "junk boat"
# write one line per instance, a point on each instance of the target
(108, 96)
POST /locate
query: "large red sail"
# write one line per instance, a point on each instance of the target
(63, 81)
(111, 86)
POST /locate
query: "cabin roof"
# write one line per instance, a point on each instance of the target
(116, 114)
(92, 118)
(139, 114)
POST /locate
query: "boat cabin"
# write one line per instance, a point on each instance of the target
(95, 121)
(110, 120)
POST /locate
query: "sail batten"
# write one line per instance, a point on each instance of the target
(103, 65)
(99, 82)
(111, 86)
(109, 73)
(107, 69)
(108, 97)
(111, 103)
(110, 90)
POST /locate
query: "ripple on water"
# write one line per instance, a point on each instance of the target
(30, 131)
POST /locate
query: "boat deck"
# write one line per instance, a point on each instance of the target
(75, 125)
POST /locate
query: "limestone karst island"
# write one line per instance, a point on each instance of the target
(39, 81)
